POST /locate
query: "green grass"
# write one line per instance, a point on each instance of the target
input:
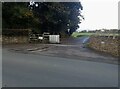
(77, 34)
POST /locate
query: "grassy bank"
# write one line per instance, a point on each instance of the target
(105, 44)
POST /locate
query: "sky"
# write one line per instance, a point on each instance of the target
(99, 14)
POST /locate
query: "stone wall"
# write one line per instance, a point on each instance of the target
(17, 39)
(105, 44)
(11, 36)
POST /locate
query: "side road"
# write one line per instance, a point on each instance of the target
(70, 48)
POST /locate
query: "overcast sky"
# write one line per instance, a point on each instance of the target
(99, 14)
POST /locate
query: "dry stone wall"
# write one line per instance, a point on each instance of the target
(11, 36)
(12, 40)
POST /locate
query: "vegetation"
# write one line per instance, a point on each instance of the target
(111, 32)
(16, 15)
(105, 44)
(79, 34)
(52, 17)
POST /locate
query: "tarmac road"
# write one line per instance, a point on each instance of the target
(29, 70)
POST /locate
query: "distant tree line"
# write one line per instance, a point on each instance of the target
(52, 17)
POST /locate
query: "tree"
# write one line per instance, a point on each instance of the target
(16, 15)
(52, 17)
(56, 17)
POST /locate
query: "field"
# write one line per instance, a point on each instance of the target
(79, 34)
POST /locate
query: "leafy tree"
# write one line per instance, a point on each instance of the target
(53, 17)
(16, 15)
(58, 17)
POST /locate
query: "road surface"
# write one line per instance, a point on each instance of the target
(29, 70)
